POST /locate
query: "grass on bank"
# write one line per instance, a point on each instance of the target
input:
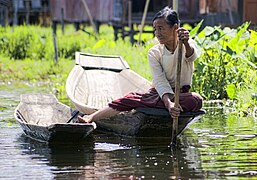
(27, 53)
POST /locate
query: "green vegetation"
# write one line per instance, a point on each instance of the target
(227, 67)
(225, 70)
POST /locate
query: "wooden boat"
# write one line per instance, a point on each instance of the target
(95, 80)
(43, 118)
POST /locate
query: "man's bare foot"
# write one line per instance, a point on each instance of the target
(84, 119)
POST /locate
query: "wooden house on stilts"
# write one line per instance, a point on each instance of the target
(125, 16)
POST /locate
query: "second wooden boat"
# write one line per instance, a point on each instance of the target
(43, 118)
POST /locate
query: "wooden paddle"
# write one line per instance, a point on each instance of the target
(177, 92)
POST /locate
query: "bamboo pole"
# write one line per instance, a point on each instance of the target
(177, 93)
(143, 21)
(89, 16)
(175, 5)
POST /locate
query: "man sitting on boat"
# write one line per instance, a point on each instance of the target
(163, 62)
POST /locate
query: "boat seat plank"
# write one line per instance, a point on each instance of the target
(88, 61)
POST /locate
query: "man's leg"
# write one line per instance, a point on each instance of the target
(106, 112)
(190, 101)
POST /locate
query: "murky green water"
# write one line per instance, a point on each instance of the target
(216, 147)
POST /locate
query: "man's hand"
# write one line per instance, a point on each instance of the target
(183, 35)
(174, 111)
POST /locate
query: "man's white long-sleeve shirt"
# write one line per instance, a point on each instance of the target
(164, 67)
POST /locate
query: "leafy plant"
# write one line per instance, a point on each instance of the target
(224, 63)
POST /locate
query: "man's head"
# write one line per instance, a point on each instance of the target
(170, 16)
(165, 24)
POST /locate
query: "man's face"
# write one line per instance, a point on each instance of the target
(163, 31)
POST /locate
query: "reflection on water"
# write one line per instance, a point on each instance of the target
(216, 147)
(109, 147)
(64, 160)
(113, 158)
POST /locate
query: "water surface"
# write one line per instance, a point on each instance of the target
(219, 146)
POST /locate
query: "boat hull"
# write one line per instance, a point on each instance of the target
(58, 132)
(139, 124)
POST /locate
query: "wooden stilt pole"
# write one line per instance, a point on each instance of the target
(55, 43)
(90, 16)
(143, 21)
